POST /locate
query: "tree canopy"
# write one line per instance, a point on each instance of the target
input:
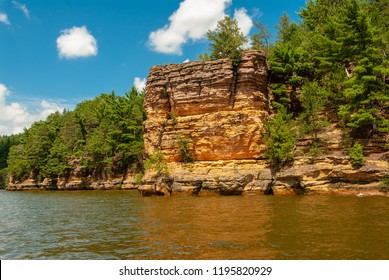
(104, 133)
(226, 41)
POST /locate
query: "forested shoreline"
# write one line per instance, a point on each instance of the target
(103, 134)
(331, 67)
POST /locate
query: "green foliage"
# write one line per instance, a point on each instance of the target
(285, 29)
(356, 155)
(280, 138)
(315, 150)
(204, 57)
(3, 178)
(349, 41)
(138, 178)
(336, 60)
(385, 180)
(260, 40)
(385, 184)
(6, 142)
(157, 162)
(313, 99)
(105, 133)
(226, 41)
(183, 143)
(173, 117)
(19, 165)
(291, 65)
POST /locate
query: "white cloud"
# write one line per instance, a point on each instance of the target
(186, 60)
(15, 116)
(22, 7)
(245, 22)
(139, 83)
(4, 18)
(191, 21)
(76, 42)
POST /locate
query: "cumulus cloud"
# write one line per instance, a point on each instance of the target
(245, 22)
(191, 21)
(4, 18)
(22, 7)
(15, 116)
(76, 42)
(140, 83)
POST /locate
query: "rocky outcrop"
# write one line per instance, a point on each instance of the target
(218, 108)
(77, 179)
(220, 111)
(329, 172)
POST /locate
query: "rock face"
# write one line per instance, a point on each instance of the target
(218, 109)
(77, 179)
(220, 112)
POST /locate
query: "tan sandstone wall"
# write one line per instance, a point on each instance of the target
(219, 108)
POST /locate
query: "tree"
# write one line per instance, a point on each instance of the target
(6, 142)
(280, 138)
(226, 41)
(313, 99)
(285, 29)
(18, 164)
(365, 90)
(260, 40)
(356, 155)
(105, 134)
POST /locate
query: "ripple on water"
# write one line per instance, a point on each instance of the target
(123, 225)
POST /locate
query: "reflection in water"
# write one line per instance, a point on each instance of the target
(123, 225)
(207, 228)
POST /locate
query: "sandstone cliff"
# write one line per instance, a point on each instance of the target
(221, 110)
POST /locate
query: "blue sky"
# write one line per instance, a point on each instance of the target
(55, 54)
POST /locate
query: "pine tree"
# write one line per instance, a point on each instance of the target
(313, 99)
(227, 40)
(280, 138)
(261, 39)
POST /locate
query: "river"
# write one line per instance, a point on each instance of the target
(124, 225)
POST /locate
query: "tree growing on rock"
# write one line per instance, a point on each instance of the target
(226, 41)
(280, 138)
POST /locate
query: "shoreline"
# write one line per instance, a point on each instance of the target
(337, 191)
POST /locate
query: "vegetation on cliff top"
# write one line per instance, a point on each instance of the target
(336, 61)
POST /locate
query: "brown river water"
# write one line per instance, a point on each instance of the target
(123, 225)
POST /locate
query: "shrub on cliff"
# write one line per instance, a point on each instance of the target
(183, 147)
(280, 138)
(157, 162)
(313, 99)
(356, 155)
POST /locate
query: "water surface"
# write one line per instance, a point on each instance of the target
(124, 225)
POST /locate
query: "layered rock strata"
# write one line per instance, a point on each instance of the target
(217, 108)
(77, 179)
